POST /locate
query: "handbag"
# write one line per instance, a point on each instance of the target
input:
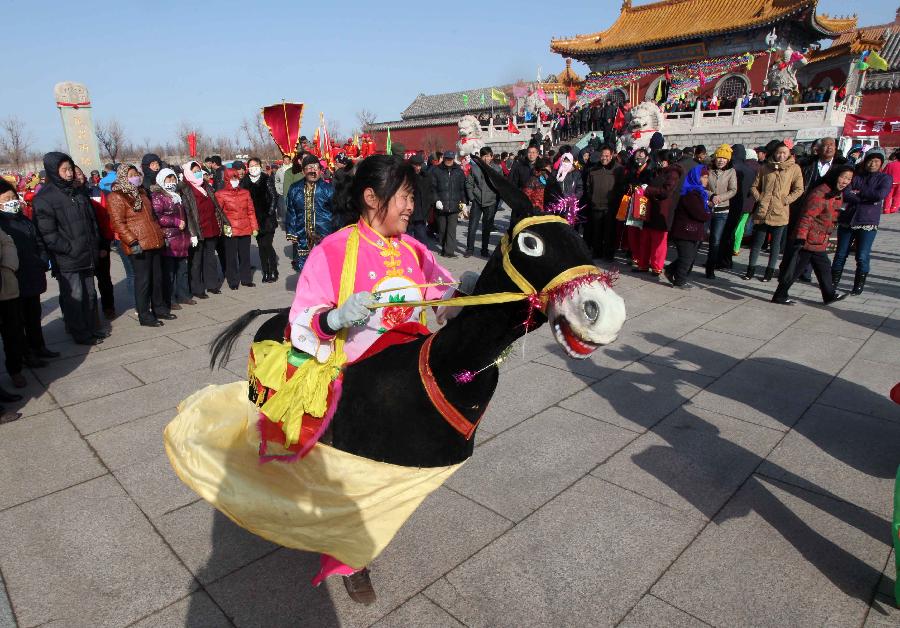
(622, 214)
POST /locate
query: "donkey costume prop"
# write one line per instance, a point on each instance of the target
(400, 420)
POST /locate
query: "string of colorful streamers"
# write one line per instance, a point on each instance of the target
(564, 291)
(568, 207)
(597, 85)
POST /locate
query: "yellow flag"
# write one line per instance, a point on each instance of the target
(555, 98)
(876, 61)
(658, 91)
(497, 95)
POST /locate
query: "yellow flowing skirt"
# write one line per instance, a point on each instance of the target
(330, 501)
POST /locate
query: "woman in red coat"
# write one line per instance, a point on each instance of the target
(810, 242)
(237, 206)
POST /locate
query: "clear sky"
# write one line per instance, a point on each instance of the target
(152, 65)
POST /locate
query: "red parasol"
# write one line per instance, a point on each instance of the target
(283, 121)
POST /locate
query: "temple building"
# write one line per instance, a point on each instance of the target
(704, 48)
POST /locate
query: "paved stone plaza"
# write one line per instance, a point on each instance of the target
(725, 462)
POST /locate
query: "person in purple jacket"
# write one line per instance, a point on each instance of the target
(172, 218)
(859, 220)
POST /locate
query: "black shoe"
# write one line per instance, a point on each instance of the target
(751, 270)
(836, 277)
(215, 290)
(784, 301)
(468, 254)
(44, 352)
(249, 285)
(451, 255)
(710, 273)
(767, 276)
(201, 296)
(485, 254)
(805, 278)
(166, 317)
(837, 296)
(89, 341)
(32, 362)
(859, 283)
(175, 306)
(275, 276)
(152, 323)
(9, 397)
(266, 278)
(669, 276)
(359, 587)
(101, 333)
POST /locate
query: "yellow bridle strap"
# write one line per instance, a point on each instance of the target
(536, 220)
(475, 299)
(418, 285)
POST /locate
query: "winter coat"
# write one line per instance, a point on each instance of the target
(776, 186)
(724, 184)
(423, 198)
(237, 205)
(65, 220)
(449, 187)
(265, 201)
(9, 264)
(810, 169)
(321, 213)
(32, 271)
(690, 218)
(745, 172)
(865, 198)
(572, 184)
(135, 227)
(203, 221)
(604, 187)
(278, 179)
(477, 188)
(820, 213)
(662, 197)
(521, 173)
(149, 175)
(173, 222)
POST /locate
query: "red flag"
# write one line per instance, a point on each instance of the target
(511, 127)
(571, 94)
(702, 79)
(619, 120)
(316, 144)
(192, 144)
(283, 121)
(668, 75)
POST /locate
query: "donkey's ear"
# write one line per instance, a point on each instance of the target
(508, 193)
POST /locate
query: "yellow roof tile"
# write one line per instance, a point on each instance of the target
(683, 19)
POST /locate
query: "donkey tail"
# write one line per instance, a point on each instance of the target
(220, 352)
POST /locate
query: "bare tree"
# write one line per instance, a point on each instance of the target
(365, 118)
(111, 136)
(260, 143)
(336, 133)
(184, 130)
(15, 141)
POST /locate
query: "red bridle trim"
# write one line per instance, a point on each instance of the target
(453, 416)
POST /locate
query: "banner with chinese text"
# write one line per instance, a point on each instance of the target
(887, 129)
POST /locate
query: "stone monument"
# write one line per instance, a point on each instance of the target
(75, 108)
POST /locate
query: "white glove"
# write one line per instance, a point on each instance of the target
(439, 205)
(354, 311)
(195, 241)
(445, 313)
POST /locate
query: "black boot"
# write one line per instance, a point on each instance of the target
(859, 283)
(836, 277)
(767, 276)
(835, 296)
(751, 270)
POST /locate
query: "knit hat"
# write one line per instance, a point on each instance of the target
(874, 153)
(657, 141)
(723, 151)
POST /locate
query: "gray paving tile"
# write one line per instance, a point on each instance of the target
(451, 527)
(881, 347)
(826, 353)
(637, 396)
(533, 461)
(848, 324)
(603, 362)
(707, 302)
(652, 612)
(583, 559)
(197, 531)
(153, 486)
(195, 611)
(201, 336)
(694, 460)
(668, 321)
(7, 620)
(41, 454)
(132, 442)
(79, 387)
(883, 614)
(98, 414)
(647, 297)
(526, 390)
(182, 362)
(763, 392)
(86, 557)
(705, 351)
(761, 321)
(851, 456)
(419, 611)
(864, 387)
(771, 545)
(889, 576)
(35, 398)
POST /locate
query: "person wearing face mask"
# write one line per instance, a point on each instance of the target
(265, 204)
(778, 183)
(237, 205)
(67, 226)
(810, 236)
(310, 214)
(169, 210)
(139, 233)
(206, 223)
(865, 201)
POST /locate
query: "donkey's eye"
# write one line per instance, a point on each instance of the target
(530, 244)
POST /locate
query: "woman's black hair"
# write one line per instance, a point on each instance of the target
(831, 177)
(385, 174)
(257, 160)
(6, 186)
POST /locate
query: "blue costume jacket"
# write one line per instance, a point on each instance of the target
(309, 224)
